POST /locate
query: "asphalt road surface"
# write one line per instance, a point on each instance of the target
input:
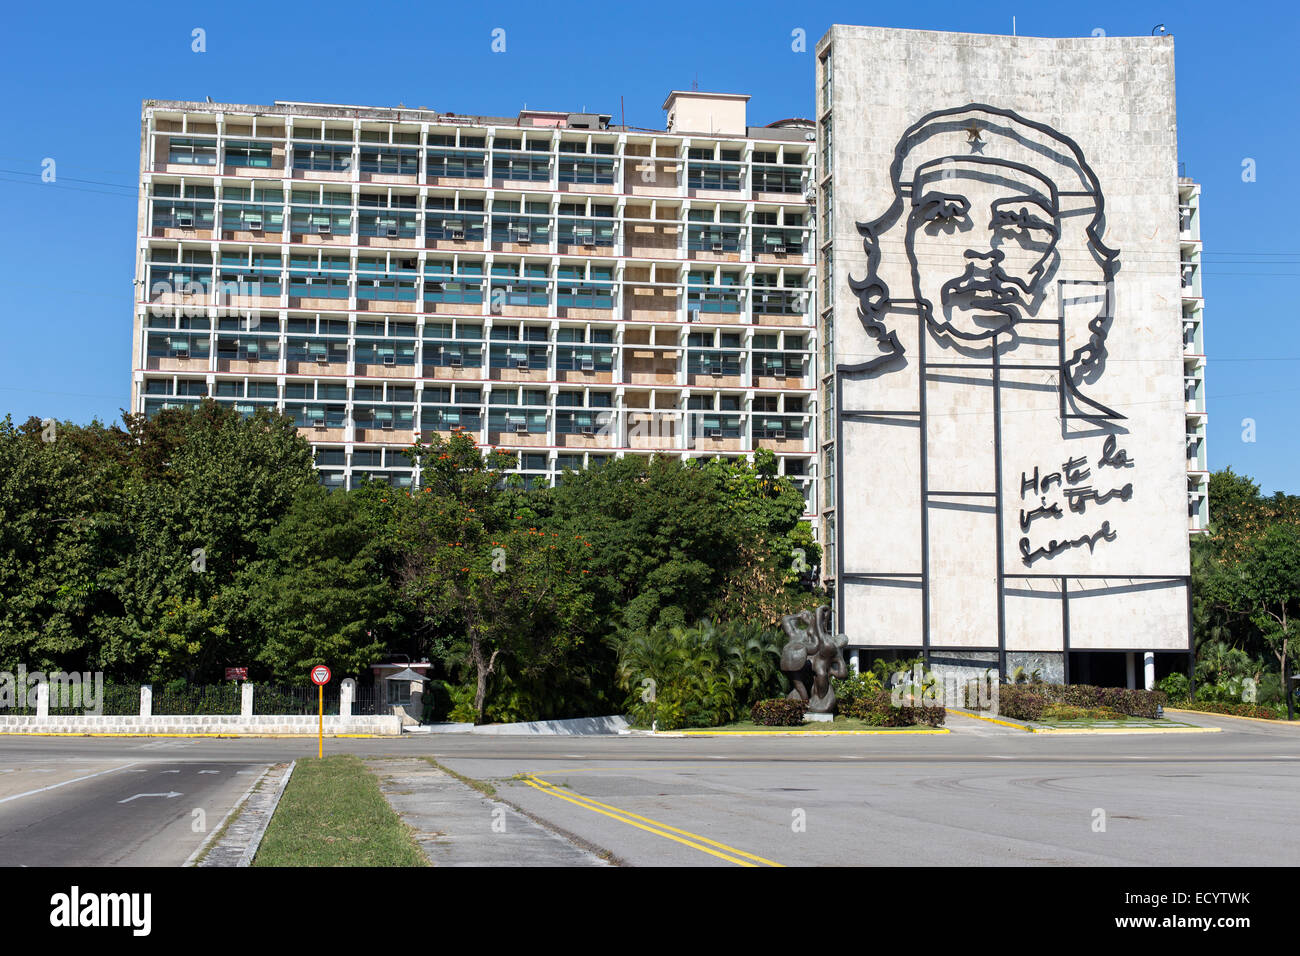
(980, 795)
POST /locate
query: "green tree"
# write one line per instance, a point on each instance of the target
(322, 595)
(491, 589)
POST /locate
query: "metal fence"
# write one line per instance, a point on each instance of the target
(123, 700)
(294, 700)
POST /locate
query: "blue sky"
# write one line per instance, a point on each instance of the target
(73, 78)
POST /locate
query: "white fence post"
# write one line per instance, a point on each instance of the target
(146, 700)
(347, 692)
(245, 699)
(43, 699)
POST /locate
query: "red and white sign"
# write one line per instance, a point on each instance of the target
(320, 674)
(236, 673)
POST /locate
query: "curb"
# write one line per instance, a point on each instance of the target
(809, 733)
(250, 851)
(238, 849)
(203, 847)
(991, 720)
(1275, 721)
(1078, 731)
(229, 736)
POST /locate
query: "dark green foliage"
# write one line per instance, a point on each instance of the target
(879, 709)
(1272, 712)
(702, 676)
(1176, 687)
(778, 712)
(1136, 703)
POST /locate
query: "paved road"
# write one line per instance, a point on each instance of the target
(980, 795)
(129, 805)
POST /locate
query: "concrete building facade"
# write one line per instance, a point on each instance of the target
(1007, 443)
(551, 284)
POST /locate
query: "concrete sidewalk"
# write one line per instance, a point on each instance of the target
(456, 825)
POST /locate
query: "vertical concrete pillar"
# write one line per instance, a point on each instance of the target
(347, 693)
(1130, 669)
(1149, 670)
(246, 699)
(146, 700)
(43, 699)
(855, 661)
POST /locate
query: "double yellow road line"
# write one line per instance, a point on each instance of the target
(685, 837)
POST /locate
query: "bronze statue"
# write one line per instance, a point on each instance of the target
(812, 647)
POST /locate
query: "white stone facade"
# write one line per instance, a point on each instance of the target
(999, 245)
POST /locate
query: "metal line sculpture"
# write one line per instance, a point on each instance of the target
(813, 655)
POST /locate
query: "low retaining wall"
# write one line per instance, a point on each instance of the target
(575, 726)
(253, 725)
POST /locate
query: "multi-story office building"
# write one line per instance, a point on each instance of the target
(552, 284)
(1189, 242)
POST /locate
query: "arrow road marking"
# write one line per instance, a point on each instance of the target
(174, 793)
(55, 786)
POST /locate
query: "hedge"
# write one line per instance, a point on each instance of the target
(1020, 702)
(879, 710)
(1234, 710)
(778, 712)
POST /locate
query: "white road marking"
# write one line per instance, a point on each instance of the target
(209, 771)
(169, 771)
(55, 786)
(40, 770)
(168, 796)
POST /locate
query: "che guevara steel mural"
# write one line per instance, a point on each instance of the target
(1002, 222)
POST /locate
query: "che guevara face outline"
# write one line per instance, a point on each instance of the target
(982, 237)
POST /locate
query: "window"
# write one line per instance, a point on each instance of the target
(192, 152)
(248, 155)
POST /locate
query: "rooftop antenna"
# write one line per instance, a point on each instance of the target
(1013, 24)
(695, 83)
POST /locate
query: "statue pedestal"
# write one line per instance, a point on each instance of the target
(808, 718)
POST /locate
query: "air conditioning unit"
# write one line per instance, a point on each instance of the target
(390, 359)
(390, 232)
(323, 359)
(521, 426)
(318, 423)
(184, 221)
(693, 315)
(386, 425)
(588, 365)
(521, 363)
(254, 223)
(458, 234)
(778, 373)
(715, 371)
(323, 228)
(456, 362)
(589, 429)
(713, 433)
(717, 247)
(776, 434)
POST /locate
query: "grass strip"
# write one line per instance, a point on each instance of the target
(333, 814)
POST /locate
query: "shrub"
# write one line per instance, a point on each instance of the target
(853, 687)
(1176, 687)
(1137, 703)
(1234, 709)
(1020, 703)
(879, 710)
(778, 712)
